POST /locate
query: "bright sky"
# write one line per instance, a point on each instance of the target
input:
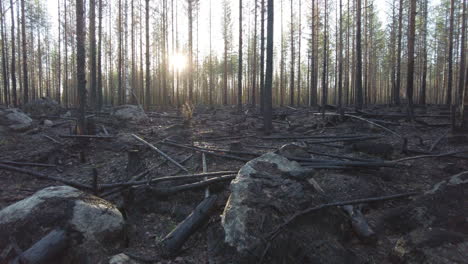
(383, 7)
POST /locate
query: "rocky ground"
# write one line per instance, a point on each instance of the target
(262, 215)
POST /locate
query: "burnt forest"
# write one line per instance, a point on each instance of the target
(233, 131)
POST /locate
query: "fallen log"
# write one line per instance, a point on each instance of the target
(206, 151)
(141, 175)
(87, 136)
(342, 140)
(453, 153)
(315, 137)
(337, 156)
(160, 152)
(45, 177)
(217, 150)
(46, 249)
(191, 186)
(166, 178)
(16, 163)
(172, 243)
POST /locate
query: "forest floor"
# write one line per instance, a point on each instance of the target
(150, 219)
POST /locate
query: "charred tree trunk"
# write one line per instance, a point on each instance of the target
(410, 73)
(239, 73)
(396, 94)
(262, 57)
(450, 54)
(13, 58)
(147, 57)
(267, 115)
(25, 54)
(92, 53)
(358, 77)
(81, 63)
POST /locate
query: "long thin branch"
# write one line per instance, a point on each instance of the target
(45, 177)
(160, 152)
(270, 236)
(16, 163)
(206, 151)
(430, 156)
(191, 186)
(167, 178)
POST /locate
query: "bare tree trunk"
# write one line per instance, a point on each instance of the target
(325, 59)
(13, 58)
(410, 74)
(340, 56)
(190, 44)
(99, 60)
(398, 70)
(450, 54)
(291, 80)
(254, 63)
(461, 78)
(358, 76)
(299, 57)
(4, 59)
(92, 53)
(25, 55)
(81, 63)
(65, 46)
(422, 96)
(262, 57)
(119, 70)
(267, 115)
(148, 73)
(239, 73)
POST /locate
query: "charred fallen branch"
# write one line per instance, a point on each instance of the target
(273, 234)
(46, 249)
(87, 136)
(45, 177)
(210, 152)
(160, 152)
(340, 138)
(166, 178)
(172, 243)
(31, 164)
(191, 186)
(448, 154)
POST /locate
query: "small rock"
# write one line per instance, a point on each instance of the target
(131, 113)
(48, 123)
(294, 150)
(121, 259)
(44, 106)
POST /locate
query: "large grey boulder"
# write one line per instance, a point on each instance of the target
(132, 113)
(15, 119)
(44, 106)
(269, 190)
(264, 188)
(95, 226)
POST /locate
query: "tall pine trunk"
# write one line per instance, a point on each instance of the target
(239, 72)
(410, 72)
(81, 63)
(267, 115)
(358, 73)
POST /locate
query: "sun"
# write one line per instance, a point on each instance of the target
(178, 61)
